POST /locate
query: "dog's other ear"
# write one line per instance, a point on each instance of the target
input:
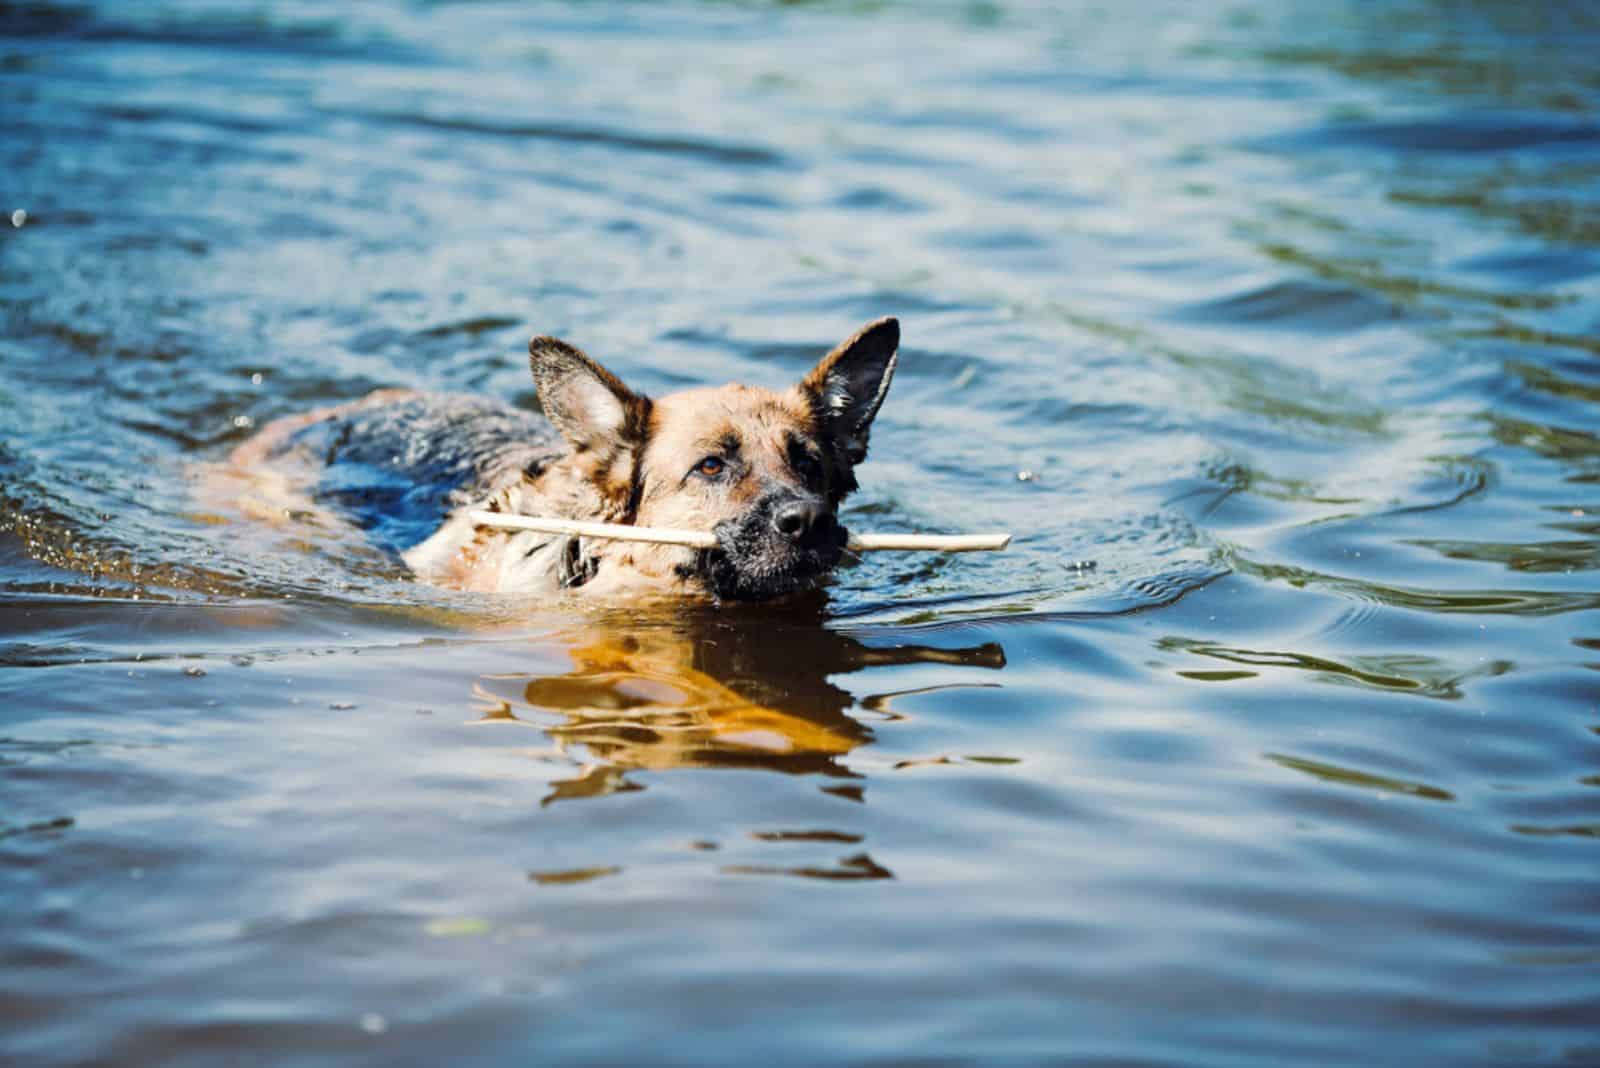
(848, 385)
(588, 404)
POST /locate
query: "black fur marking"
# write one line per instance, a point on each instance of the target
(635, 492)
(752, 561)
(804, 462)
(576, 569)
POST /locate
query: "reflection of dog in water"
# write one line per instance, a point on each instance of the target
(764, 470)
(706, 690)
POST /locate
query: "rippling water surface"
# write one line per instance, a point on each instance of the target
(1273, 330)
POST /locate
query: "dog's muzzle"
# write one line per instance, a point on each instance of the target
(783, 543)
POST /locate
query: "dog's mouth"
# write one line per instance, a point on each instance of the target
(754, 561)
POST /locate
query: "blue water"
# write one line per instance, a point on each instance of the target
(1271, 331)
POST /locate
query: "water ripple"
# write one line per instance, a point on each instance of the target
(710, 151)
(1513, 602)
(1333, 773)
(1456, 133)
(1269, 332)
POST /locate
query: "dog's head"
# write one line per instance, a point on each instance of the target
(764, 470)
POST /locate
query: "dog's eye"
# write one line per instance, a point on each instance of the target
(711, 466)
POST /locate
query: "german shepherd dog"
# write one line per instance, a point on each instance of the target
(763, 470)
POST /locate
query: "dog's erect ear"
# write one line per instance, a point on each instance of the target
(849, 384)
(588, 404)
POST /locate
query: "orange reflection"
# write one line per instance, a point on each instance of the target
(701, 690)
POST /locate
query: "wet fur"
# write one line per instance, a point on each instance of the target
(405, 467)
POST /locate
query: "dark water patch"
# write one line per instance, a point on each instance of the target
(45, 827)
(1219, 676)
(987, 607)
(26, 18)
(1319, 521)
(702, 149)
(33, 654)
(1422, 675)
(1448, 481)
(243, 30)
(1285, 397)
(861, 307)
(1375, 275)
(24, 746)
(1297, 306)
(1452, 134)
(1574, 220)
(854, 868)
(1554, 958)
(1332, 773)
(806, 836)
(189, 116)
(1573, 446)
(1554, 382)
(571, 876)
(1469, 601)
(797, 358)
(1060, 411)
(743, 198)
(1578, 830)
(88, 342)
(948, 369)
(1550, 75)
(472, 328)
(1547, 266)
(877, 199)
(987, 239)
(1551, 556)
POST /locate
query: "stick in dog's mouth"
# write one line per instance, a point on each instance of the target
(700, 539)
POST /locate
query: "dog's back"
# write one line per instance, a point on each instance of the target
(396, 463)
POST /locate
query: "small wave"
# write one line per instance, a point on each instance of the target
(1559, 557)
(482, 324)
(1425, 676)
(1452, 602)
(700, 148)
(1343, 776)
(167, 113)
(1297, 305)
(1467, 134)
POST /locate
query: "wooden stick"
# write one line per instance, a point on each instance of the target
(699, 539)
(929, 543)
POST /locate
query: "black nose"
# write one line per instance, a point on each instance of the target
(795, 519)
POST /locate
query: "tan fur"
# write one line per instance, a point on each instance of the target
(684, 428)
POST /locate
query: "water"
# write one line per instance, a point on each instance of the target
(1271, 331)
